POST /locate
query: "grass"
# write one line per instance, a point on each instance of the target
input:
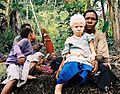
(2, 69)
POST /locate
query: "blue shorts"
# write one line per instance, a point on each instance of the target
(70, 69)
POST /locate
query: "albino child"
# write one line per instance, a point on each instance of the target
(78, 54)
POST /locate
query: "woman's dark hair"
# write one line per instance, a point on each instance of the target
(25, 32)
(91, 10)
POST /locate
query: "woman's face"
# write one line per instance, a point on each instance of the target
(78, 27)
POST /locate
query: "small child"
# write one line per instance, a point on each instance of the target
(78, 54)
(16, 60)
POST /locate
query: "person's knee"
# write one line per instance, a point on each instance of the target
(13, 82)
(58, 86)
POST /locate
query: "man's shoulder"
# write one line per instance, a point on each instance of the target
(99, 33)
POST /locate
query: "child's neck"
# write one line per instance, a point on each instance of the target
(77, 37)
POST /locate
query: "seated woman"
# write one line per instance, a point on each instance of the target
(78, 54)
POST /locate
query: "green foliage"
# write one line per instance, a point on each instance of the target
(6, 41)
(106, 26)
(2, 14)
(75, 7)
(103, 2)
(110, 39)
(2, 7)
(50, 20)
(95, 1)
(54, 16)
(2, 69)
(38, 2)
(23, 13)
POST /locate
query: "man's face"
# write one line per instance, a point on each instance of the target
(77, 27)
(90, 19)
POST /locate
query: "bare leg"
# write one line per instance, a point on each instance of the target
(30, 77)
(8, 87)
(30, 67)
(58, 89)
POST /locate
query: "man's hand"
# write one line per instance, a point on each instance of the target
(95, 66)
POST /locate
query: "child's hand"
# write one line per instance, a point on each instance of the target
(95, 66)
(21, 60)
(92, 58)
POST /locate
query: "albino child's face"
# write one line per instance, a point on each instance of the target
(77, 27)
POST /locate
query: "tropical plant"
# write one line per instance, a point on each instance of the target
(6, 41)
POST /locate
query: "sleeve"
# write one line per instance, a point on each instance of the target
(22, 43)
(67, 46)
(102, 45)
(19, 47)
(17, 51)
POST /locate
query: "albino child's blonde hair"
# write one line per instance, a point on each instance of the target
(77, 17)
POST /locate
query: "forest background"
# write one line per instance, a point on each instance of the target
(54, 16)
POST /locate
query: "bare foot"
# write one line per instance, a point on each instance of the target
(31, 77)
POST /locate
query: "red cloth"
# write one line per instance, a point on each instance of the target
(47, 41)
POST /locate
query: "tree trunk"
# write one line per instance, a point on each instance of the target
(8, 11)
(117, 24)
(114, 14)
(119, 3)
(103, 11)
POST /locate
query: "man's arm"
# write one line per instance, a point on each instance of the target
(101, 44)
(93, 61)
(92, 50)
